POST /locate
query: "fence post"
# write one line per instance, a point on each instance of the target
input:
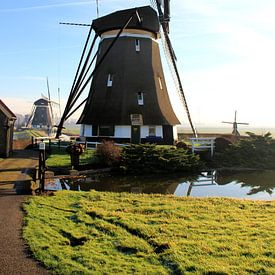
(42, 165)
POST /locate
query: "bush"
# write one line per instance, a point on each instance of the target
(256, 151)
(150, 158)
(108, 154)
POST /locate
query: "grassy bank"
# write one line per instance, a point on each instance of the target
(61, 159)
(96, 233)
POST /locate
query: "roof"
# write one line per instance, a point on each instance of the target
(116, 20)
(42, 101)
(7, 112)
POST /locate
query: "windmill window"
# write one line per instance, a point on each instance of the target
(140, 98)
(137, 43)
(106, 130)
(152, 131)
(160, 83)
(110, 80)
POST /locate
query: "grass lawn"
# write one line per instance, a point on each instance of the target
(108, 233)
(60, 158)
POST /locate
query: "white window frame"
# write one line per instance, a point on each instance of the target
(137, 44)
(140, 98)
(110, 80)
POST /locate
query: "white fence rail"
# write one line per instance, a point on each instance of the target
(200, 144)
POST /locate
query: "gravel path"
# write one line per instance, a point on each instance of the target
(14, 257)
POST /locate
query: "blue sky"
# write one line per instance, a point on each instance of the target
(225, 52)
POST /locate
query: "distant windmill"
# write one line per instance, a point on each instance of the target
(235, 125)
(42, 115)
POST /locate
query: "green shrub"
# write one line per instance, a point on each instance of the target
(150, 158)
(108, 154)
(256, 151)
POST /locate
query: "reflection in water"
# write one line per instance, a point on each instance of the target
(259, 181)
(246, 184)
(205, 179)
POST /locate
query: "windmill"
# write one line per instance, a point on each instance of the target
(42, 115)
(235, 124)
(128, 99)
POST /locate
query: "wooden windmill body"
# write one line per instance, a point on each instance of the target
(41, 116)
(128, 99)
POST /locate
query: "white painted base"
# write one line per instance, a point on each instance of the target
(123, 131)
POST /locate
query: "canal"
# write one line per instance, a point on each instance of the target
(258, 185)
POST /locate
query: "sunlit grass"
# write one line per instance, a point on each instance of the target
(100, 232)
(60, 158)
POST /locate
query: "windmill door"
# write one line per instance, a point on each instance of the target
(135, 134)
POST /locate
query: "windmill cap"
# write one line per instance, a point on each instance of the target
(117, 20)
(41, 101)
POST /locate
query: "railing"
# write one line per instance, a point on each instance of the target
(49, 142)
(53, 142)
(94, 144)
(200, 144)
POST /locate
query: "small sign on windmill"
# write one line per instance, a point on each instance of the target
(235, 124)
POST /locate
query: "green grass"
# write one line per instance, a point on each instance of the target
(60, 158)
(27, 134)
(108, 233)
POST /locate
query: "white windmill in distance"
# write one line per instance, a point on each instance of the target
(235, 131)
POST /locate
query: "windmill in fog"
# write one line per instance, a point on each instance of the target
(235, 124)
(42, 115)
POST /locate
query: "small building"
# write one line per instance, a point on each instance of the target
(7, 120)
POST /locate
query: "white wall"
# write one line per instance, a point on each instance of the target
(175, 132)
(86, 130)
(124, 131)
(159, 132)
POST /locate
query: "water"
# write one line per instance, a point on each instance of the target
(258, 185)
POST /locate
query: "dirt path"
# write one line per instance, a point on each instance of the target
(14, 258)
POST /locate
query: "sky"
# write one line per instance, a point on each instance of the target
(225, 54)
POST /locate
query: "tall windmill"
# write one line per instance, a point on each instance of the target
(128, 99)
(235, 125)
